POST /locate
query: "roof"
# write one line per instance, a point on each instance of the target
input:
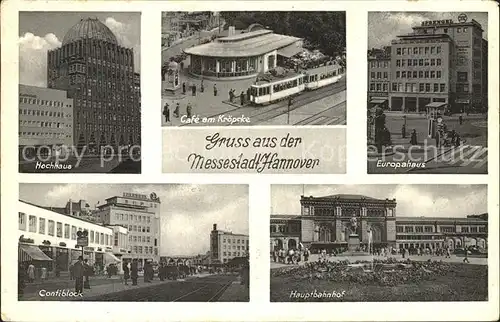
(435, 104)
(324, 69)
(289, 51)
(269, 78)
(64, 214)
(285, 217)
(249, 44)
(479, 220)
(89, 28)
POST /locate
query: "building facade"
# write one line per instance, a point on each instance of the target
(441, 61)
(225, 246)
(324, 223)
(54, 234)
(45, 120)
(98, 74)
(241, 56)
(379, 80)
(421, 71)
(140, 215)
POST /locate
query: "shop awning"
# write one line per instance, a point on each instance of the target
(289, 51)
(110, 258)
(378, 100)
(436, 104)
(32, 252)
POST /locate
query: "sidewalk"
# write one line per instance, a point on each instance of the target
(236, 292)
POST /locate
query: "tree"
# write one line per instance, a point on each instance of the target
(322, 30)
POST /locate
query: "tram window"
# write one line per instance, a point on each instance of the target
(306, 79)
(264, 91)
(253, 91)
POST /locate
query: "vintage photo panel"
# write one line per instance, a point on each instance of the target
(133, 243)
(428, 92)
(79, 92)
(253, 68)
(378, 243)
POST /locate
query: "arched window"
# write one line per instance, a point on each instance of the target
(324, 234)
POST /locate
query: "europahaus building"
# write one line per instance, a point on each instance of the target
(324, 223)
(440, 64)
(243, 55)
(98, 74)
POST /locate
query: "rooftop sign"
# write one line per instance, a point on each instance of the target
(437, 22)
(134, 195)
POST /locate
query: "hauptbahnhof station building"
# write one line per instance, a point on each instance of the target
(240, 56)
(324, 223)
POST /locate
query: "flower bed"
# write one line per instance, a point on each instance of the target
(387, 272)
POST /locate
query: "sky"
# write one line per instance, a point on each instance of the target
(43, 31)
(187, 211)
(386, 26)
(412, 200)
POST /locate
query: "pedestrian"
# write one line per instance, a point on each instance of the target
(215, 89)
(182, 65)
(460, 119)
(177, 108)
(242, 98)
(403, 131)
(466, 254)
(193, 89)
(21, 280)
(457, 140)
(86, 273)
(44, 273)
(146, 272)
(306, 255)
(79, 271)
(202, 86)
(189, 110)
(231, 95)
(248, 94)
(183, 87)
(126, 272)
(31, 272)
(134, 272)
(71, 274)
(438, 139)
(161, 272)
(166, 112)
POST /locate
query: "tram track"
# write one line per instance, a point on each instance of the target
(281, 107)
(205, 289)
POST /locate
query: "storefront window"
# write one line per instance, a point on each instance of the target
(32, 224)
(51, 227)
(22, 221)
(59, 229)
(41, 226)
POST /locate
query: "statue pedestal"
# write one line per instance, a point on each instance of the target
(353, 243)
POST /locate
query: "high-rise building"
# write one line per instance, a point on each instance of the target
(45, 120)
(140, 214)
(98, 73)
(225, 245)
(440, 61)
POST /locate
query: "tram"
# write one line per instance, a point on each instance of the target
(274, 90)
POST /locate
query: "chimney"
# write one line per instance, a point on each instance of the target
(215, 226)
(70, 207)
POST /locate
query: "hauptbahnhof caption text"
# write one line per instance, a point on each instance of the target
(259, 161)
